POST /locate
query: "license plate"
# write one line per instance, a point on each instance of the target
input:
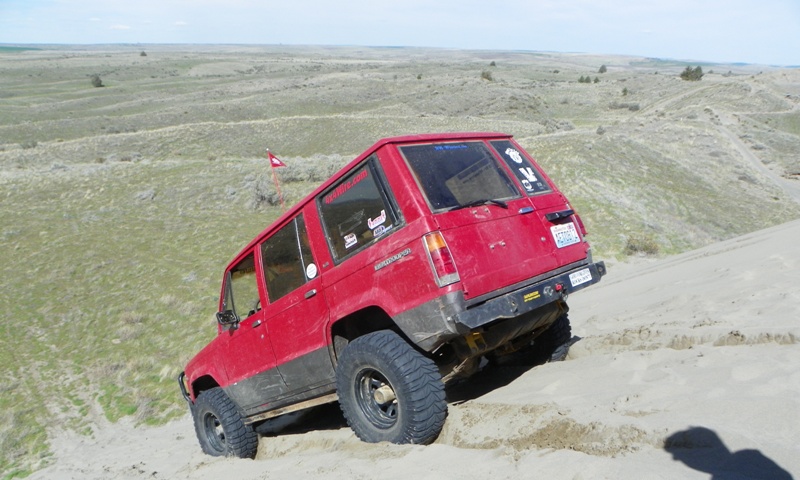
(580, 277)
(565, 234)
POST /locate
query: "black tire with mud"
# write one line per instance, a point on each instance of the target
(390, 392)
(220, 428)
(553, 343)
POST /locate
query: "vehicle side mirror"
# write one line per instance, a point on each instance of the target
(227, 317)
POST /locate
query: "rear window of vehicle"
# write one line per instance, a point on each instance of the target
(530, 178)
(357, 211)
(455, 174)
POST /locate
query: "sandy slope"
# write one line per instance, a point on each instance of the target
(700, 350)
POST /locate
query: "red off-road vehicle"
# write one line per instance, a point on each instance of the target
(421, 257)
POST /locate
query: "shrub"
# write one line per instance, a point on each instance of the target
(603, 69)
(692, 74)
(96, 81)
(487, 75)
(641, 243)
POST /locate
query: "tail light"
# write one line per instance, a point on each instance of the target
(444, 267)
(580, 224)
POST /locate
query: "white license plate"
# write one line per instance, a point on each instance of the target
(580, 277)
(565, 234)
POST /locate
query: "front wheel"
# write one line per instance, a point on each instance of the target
(390, 392)
(220, 428)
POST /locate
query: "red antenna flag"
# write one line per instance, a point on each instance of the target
(275, 162)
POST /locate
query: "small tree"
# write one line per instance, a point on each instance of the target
(143, 54)
(487, 75)
(596, 80)
(603, 69)
(692, 74)
(96, 81)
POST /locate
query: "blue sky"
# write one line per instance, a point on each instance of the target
(751, 31)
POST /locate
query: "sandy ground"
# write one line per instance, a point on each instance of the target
(686, 367)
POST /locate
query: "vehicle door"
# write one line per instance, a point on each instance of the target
(495, 238)
(297, 312)
(249, 360)
(562, 234)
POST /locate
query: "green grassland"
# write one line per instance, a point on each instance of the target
(122, 204)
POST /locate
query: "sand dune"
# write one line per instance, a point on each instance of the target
(685, 367)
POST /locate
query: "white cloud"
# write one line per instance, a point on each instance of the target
(181, 23)
(120, 27)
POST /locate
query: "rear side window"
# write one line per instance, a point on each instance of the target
(287, 260)
(530, 178)
(357, 211)
(456, 174)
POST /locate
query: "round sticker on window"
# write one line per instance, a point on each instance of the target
(311, 270)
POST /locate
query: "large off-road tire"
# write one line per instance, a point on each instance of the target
(220, 428)
(390, 392)
(553, 343)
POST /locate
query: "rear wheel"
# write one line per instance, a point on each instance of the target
(220, 428)
(390, 392)
(550, 346)
(553, 344)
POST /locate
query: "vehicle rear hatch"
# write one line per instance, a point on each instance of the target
(503, 221)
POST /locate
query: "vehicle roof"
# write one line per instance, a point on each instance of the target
(404, 139)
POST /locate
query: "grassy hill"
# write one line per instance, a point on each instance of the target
(121, 204)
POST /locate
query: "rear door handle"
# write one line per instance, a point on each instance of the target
(256, 323)
(311, 293)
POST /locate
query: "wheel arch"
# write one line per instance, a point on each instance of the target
(203, 383)
(359, 323)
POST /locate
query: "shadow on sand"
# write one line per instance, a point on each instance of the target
(701, 449)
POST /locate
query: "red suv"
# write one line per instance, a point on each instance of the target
(420, 258)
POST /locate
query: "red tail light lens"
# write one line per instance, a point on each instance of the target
(580, 224)
(444, 267)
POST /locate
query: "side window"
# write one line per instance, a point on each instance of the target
(526, 173)
(241, 293)
(287, 259)
(356, 212)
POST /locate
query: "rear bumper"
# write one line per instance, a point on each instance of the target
(440, 320)
(531, 297)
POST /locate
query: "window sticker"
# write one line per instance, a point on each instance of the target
(345, 186)
(311, 271)
(531, 179)
(529, 175)
(514, 155)
(373, 223)
(350, 239)
(381, 230)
